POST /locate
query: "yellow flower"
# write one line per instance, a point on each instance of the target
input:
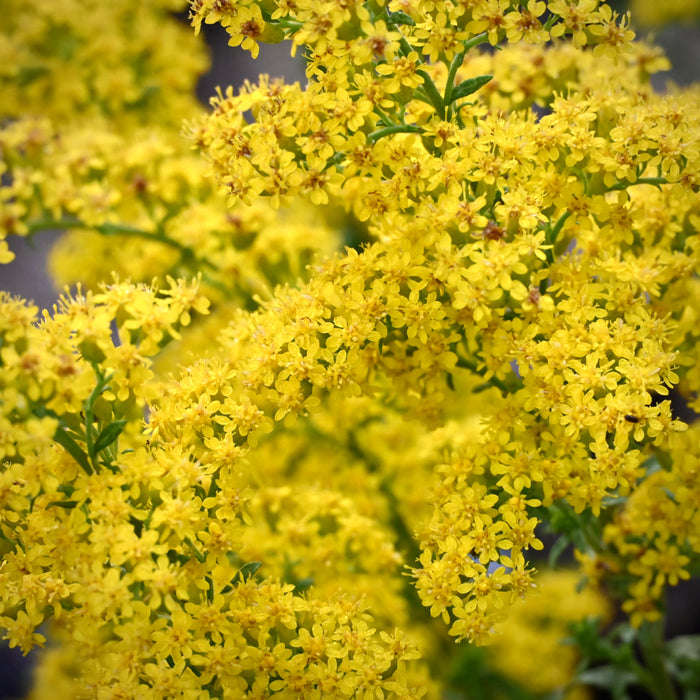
(401, 73)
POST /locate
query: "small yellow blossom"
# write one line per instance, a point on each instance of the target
(398, 320)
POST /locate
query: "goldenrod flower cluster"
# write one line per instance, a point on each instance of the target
(450, 285)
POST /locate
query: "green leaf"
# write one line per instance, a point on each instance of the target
(73, 449)
(469, 87)
(652, 465)
(616, 680)
(175, 557)
(28, 74)
(611, 501)
(109, 435)
(201, 557)
(68, 505)
(686, 646)
(137, 525)
(246, 572)
(303, 584)
(558, 548)
(12, 542)
(398, 18)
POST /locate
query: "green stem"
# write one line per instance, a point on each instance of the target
(283, 22)
(656, 181)
(406, 48)
(457, 61)
(552, 233)
(584, 179)
(429, 86)
(199, 556)
(74, 450)
(395, 129)
(107, 229)
(454, 67)
(383, 117)
(88, 407)
(657, 681)
(476, 40)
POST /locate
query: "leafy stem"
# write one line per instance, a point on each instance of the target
(432, 94)
(96, 440)
(89, 407)
(64, 439)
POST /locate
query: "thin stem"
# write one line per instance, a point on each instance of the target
(108, 229)
(554, 232)
(406, 48)
(382, 116)
(199, 556)
(457, 61)
(395, 129)
(482, 38)
(657, 181)
(454, 67)
(283, 22)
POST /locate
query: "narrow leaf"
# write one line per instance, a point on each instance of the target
(109, 434)
(468, 87)
(558, 548)
(398, 18)
(73, 449)
(68, 505)
(303, 585)
(201, 557)
(613, 679)
(246, 572)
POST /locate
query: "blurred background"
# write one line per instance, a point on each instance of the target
(27, 275)
(675, 28)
